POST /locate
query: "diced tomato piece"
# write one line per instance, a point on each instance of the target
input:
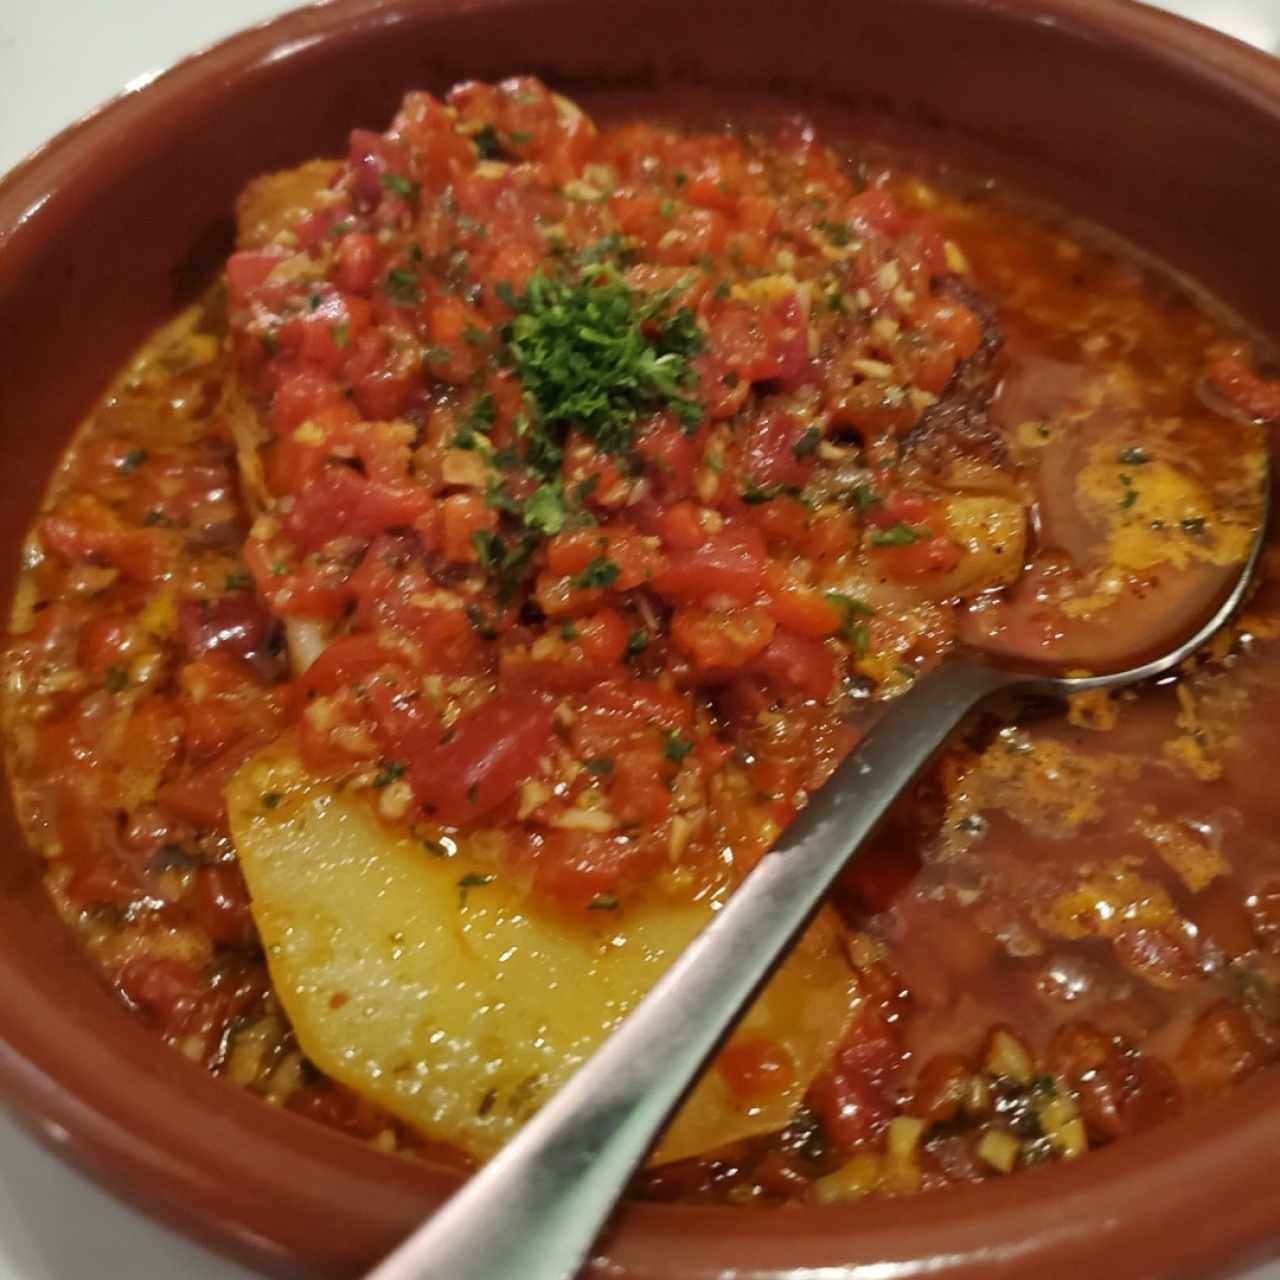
(164, 987)
(770, 451)
(464, 515)
(801, 609)
(344, 662)
(728, 563)
(220, 905)
(357, 264)
(247, 269)
(681, 527)
(485, 757)
(721, 640)
(794, 665)
(853, 1099)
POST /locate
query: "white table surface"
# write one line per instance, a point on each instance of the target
(58, 58)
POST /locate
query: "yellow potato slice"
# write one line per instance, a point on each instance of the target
(429, 986)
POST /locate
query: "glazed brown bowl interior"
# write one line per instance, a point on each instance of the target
(1164, 132)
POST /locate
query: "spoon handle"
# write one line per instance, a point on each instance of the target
(534, 1211)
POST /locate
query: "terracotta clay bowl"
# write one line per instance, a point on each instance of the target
(1160, 130)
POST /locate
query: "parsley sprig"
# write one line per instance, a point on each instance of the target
(596, 355)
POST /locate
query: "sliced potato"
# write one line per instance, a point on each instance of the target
(435, 990)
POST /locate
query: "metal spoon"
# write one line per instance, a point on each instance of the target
(534, 1211)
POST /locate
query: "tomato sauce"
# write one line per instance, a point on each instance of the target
(589, 491)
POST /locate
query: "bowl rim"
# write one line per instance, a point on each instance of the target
(107, 1126)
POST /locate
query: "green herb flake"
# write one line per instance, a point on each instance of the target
(897, 535)
(131, 461)
(1134, 456)
(598, 765)
(597, 355)
(472, 880)
(807, 445)
(838, 233)
(852, 608)
(603, 902)
(401, 286)
(474, 337)
(487, 142)
(520, 136)
(239, 581)
(637, 643)
(271, 799)
(1128, 500)
(391, 771)
(864, 498)
(116, 680)
(433, 847)
(675, 747)
(568, 631)
(598, 572)
(341, 334)
(403, 187)
(544, 510)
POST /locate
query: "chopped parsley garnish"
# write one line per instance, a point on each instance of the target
(520, 136)
(115, 680)
(390, 772)
(508, 564)
(897, 535)
(637, 643)
(755, 494)
(852, 608)
(131, 461)
(1128, 500)
(863, 497)
(487, 143)
(271, 799)
(472, 880)
(239, 581)
(544, 511)
(402, 287)
(1134, 457)
(341, 334)
(479, 420)
(596, 355)
(474, 337)
(837, 232)
(598, 765)
(498, 497)
(675, 747)
(404, 187)
(598, 572)
(807, 445)
(603, 902)
(858, 635)
(568, 631)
